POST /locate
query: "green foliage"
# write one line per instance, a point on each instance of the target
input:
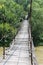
(37, 21)
(11, 15)
(6, 33)
(24, 3)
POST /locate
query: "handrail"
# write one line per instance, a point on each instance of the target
(34, 56)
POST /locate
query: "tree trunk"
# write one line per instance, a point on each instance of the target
(3, 52)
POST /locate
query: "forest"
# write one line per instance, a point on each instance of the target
(13, 12)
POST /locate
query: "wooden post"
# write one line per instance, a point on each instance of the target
(3, 52)
(31, 52)
(4, 21)
(31, 8)
(30, 31)
(30, 14)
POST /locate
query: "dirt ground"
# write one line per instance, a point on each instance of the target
(1, 51)
(39, 54)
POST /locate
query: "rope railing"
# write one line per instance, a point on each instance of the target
(34, 56)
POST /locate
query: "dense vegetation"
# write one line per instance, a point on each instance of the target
(11, 15)
(37, 22)
(24, 3)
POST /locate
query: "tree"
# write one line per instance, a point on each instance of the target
(37, 22)
(24, 3)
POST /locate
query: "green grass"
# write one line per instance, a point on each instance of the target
(39, 54)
